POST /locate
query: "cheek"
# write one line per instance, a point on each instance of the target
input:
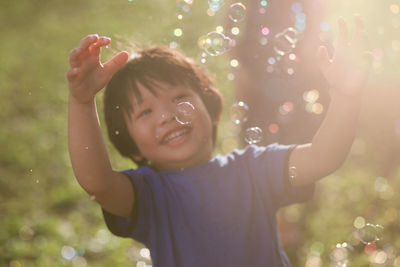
(206, 123)
(142, 135)
(138, 133)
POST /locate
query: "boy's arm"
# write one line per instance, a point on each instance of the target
(88, 154)
(346, 73)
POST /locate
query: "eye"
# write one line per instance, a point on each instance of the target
(144, 113)
(179, 97)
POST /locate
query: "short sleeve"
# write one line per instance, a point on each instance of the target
(269, 166)
(136, 225)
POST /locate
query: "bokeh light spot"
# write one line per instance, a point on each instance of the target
(394, 8)
(178, 32)
(234, 63)
(273, 128)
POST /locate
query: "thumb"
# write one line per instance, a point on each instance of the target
(114, 64)
(323, 59)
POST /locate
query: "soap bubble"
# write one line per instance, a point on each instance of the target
(238, 112)
(68, 252)
(184, 113)
(237, 12)
(253, 135)
(285, 41)
(215, 43)
(370, 233)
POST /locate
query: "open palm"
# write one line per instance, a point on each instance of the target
(348, 69)
(87, 75)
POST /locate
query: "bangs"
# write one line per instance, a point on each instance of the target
(149, 80)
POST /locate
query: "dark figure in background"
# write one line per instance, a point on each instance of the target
(274, 92)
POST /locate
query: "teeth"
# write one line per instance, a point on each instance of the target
(175, 135)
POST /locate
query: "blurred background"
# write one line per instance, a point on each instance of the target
(265, 59)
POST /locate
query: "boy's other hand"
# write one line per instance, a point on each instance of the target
(87, 75)
(348, 69)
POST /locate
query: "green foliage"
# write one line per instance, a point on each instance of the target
(44, 212)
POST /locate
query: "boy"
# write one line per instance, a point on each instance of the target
(187, 207)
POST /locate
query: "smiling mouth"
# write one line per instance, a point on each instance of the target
(175, 135)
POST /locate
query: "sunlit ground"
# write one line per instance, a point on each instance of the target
(48, 220)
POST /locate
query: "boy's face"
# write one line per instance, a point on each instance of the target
(168, 142)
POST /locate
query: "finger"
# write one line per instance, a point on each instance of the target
(95, 48)
(343, 38)
(72, 73)
(74, 58)
(360, 35)
(80, 53)
(87, 41)
(358, 22)
(323, 58)
(103, 41)
(85, 44)
(116, 62)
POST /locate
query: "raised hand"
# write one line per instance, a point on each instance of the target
(348, 69)
(87, 75)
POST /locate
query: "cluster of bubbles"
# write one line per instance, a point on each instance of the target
(215, 43)
(365, 233)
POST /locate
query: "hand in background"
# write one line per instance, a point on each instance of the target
(348, 69)
(87, 75)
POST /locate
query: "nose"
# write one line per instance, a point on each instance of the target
(166, 113)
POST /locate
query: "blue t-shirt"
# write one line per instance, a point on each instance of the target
(220, 213)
